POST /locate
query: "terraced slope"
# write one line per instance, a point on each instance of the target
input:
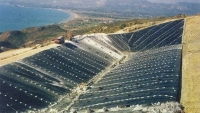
(190, 97)
(44, 78)
(146, 77)
(165, 34)
(93, 71)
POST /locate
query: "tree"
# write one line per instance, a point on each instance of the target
(122, 26)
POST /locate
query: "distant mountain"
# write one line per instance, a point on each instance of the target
(146, 7)
(126, 7)
(187, 8)
(56, 3)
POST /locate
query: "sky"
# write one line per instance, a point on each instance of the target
(174, 1)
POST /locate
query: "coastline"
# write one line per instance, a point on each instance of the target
(71, 17)
(71, 14)
(16, 54)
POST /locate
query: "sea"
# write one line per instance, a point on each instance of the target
(18, 17)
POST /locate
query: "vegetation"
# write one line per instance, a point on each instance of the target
(129, 25)
(85, 25)
(30, 37)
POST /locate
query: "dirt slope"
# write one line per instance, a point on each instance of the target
(14, 55)
(190, 97)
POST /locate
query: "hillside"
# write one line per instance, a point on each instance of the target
(30, 37)
(131, 24)
(94, 71)
(44, 35)
(136, 71)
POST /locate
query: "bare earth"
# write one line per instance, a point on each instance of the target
(14, 55)
(190, 97)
